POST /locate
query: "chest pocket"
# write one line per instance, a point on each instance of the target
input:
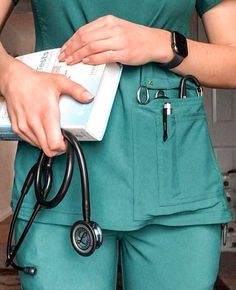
(180, 173)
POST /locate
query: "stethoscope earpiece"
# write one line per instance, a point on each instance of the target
(86, 237)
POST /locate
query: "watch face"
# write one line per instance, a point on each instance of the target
(180, 44)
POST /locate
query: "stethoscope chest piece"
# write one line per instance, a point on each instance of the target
(86, 237)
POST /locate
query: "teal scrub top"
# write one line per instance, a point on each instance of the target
(135, 177)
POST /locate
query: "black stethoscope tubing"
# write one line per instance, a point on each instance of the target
(72, 143)
(11, 251)
(42, 170)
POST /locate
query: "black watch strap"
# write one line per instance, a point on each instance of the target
(176, 60)
(180, 50)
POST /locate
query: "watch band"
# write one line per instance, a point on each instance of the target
(180, 50)
(176, 60)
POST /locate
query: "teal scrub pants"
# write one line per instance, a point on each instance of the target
(155, 257)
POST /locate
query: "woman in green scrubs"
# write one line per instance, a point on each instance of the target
(160, 201)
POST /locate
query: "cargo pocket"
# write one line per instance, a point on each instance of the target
(168, 171)
(187, 169)
(146, 123)
(144, 162)
(178, 174)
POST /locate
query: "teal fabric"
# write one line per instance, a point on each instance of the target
(154, 257)
(204, 6)
(135, 178)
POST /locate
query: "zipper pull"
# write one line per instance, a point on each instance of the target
(167, 110)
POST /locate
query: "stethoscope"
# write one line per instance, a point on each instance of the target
(143, 95)
(86, 235)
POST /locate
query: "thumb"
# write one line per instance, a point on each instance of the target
(76, 91)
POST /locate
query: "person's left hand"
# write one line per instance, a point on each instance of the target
(111, 39)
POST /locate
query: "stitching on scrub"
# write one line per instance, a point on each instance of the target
(156, 195)
(30, 208)
(191, 117)
(40, 29)
(132, 135)
(180, 116)
(216, 195)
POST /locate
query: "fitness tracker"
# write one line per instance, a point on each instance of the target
(180, 50)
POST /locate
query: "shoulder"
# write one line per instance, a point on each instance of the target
(220, 23)
(203, 6)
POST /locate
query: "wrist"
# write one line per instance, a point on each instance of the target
(6, 62)
(179, 47)
(162, 51)
(11, 70)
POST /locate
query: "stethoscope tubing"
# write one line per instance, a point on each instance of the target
(72, 142)
(42, 170)
(11, 253)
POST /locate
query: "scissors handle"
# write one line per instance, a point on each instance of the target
(143, 96)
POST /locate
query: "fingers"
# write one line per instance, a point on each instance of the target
(37, 120)
(82, 39)
(44, 132)
(51, 131)
(111, 39)
(93, 48)
(104, 57)
(95, 37)
(92, 27)
(20, 126)
(76, 91)
(88, 44)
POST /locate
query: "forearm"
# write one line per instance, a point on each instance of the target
(111, 39)
(6, 60)
(214, 65)
(6, 7)
(6, 63)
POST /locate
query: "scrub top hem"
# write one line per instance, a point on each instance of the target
(179, 219)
